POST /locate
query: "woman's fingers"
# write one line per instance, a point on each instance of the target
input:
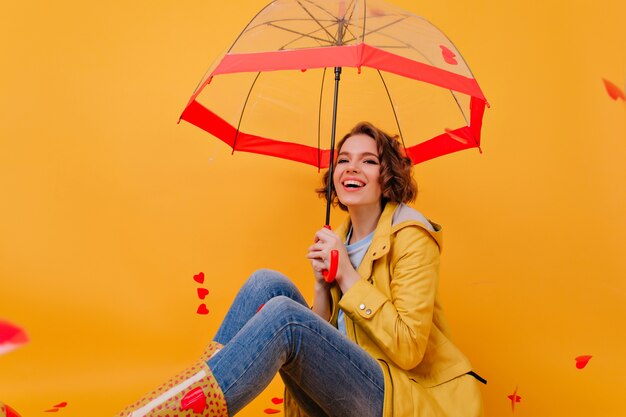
(321, 256)
(318, 247)
(325, 235)
(325, 241)
(318, 265)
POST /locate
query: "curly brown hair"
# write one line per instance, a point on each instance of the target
(396, 178)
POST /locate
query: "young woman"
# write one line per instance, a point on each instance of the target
(375, 342)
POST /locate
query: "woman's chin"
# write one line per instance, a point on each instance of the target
(357, 204)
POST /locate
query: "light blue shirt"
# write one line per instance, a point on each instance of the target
(356, 252)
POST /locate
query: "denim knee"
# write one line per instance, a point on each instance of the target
(284, 308)
(267, 278)
(281, 304)
(272, 283)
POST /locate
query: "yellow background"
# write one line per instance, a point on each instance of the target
(108, 207)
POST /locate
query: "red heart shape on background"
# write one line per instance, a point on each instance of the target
(614, 91)
(202, 309)
(202, 292)
(199, 278)
(271, 411)
(11, 412)
(515, 398)
(61, 405)
(11, 337)
(582, 361)
(277, 400)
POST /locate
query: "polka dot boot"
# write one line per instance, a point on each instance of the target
(192, 393)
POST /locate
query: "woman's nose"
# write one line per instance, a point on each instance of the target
(351, 167)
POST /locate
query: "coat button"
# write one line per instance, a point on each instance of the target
(362, 307)
(368, 311)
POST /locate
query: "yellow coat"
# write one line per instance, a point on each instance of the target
(394, 314)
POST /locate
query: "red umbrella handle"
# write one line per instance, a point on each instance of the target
(329, 275)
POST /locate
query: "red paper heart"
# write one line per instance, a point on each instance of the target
(53, 410)
(260, 307)
(448, 55)
(514, 399)
(614, 91)
(11, 337)
(199, 278)
(202, 309)
(271, 411)
(202, 292)
(277, 400)
(582, 361)
(61, 405)
(11, 412)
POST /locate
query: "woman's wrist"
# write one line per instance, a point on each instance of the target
(348, 279)
(321, 286)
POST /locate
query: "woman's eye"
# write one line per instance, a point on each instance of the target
(342, 161)
(371, 161)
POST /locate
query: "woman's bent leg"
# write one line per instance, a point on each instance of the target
(262, 286)
(195, 389)
(322, 366)
(327, 374)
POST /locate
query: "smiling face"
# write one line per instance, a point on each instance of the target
(357, 175)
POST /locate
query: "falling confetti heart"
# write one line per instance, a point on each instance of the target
(582, 361)
(614, 91)
(202, 309)
(202, 292)
(277, 400)
(5, 409)
(514, 399)
(11, 337)
(271, 411)
(57, 407)
(199, 278)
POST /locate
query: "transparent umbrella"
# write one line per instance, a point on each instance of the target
(303, 69)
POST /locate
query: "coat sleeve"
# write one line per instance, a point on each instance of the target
(400, 324)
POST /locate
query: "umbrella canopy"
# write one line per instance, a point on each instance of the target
(272, 92)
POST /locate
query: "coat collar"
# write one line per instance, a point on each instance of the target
(381, 233)
(387, 225)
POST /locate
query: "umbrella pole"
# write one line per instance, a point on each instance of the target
(331, 165)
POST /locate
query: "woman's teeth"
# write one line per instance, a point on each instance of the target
(353, 184)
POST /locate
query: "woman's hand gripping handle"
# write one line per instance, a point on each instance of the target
(331, 273)
(324, 255)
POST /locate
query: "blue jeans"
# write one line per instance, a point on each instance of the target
(325, 372)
